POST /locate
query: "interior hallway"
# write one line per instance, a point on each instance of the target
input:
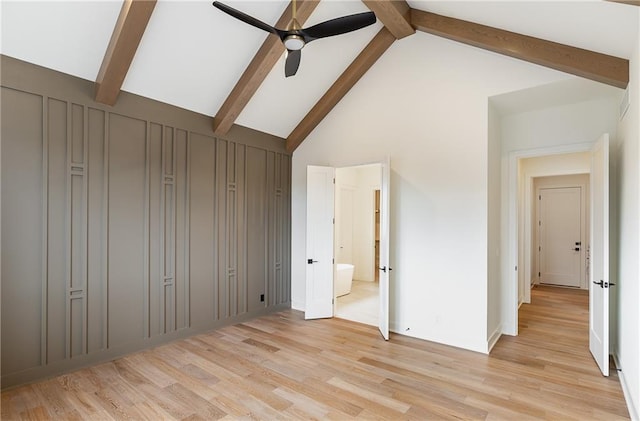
(283, 367)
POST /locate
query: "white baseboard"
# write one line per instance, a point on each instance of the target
(633, 411)
(493, 339)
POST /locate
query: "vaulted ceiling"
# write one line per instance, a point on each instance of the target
(189, 54)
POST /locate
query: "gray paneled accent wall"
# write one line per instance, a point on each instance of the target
(125, 227)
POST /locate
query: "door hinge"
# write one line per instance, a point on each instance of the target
(540, 197)
(539, 223)
(539, 248)
(333, 261)
(333, 221)
(333, 300)
(334, 181)
(538, 274)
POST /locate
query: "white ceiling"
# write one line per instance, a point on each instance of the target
(192, 54)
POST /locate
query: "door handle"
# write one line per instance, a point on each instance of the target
(384, 269)
(311, 261)
(601, 283)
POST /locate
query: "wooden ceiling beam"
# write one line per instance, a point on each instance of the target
(257, 71)
(630, 2)
(584, 63)
(394, 14)
(371, 53)
(130, 26)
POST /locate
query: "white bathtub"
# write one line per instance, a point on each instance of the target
(344, 276)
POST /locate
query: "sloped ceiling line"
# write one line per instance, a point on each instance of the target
(394, 14)
(371, 53)
(584, 63)
(130, 26)
(260, 66)
(399, 19)
(588, 64)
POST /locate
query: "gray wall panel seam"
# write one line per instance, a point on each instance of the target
(246, 235)
(105, 244)
(174, 227)
(69, 256)
(187, 232)
(44, 334)
(85, 228)
(146, 233)
(162, 226)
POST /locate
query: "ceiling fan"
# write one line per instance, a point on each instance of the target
(295, 37)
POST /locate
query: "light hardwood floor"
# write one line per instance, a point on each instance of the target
(282, 367)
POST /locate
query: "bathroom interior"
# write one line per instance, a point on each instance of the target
(357, 234)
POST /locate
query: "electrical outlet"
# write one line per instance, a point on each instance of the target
(262, 298)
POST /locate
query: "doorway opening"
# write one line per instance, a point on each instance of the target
(524, 167)
(323, 249)
(357, 236)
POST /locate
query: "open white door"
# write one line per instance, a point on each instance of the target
(599, 285)
(319, 282)
(383, 317)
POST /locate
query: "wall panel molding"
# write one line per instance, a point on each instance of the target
(44, 338)
(144, 226)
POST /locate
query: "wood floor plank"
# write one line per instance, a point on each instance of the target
(281, 366)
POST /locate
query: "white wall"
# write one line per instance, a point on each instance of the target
(424, 104)
(494, 317)
(560, 125)
(627, 352)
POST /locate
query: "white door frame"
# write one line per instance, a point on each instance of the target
(516, 244)
(383, 163)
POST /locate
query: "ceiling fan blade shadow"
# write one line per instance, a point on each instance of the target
(338, 26)
(292, 62)
(246, 18)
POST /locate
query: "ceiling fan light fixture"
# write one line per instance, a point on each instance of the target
(295, 37)
(294, 42)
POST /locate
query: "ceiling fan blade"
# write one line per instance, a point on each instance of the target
(339, 26)
(246, 18)
(292, 63)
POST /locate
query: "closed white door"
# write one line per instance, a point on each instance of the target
(600, 283)
(320, 212)
(560, 236)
